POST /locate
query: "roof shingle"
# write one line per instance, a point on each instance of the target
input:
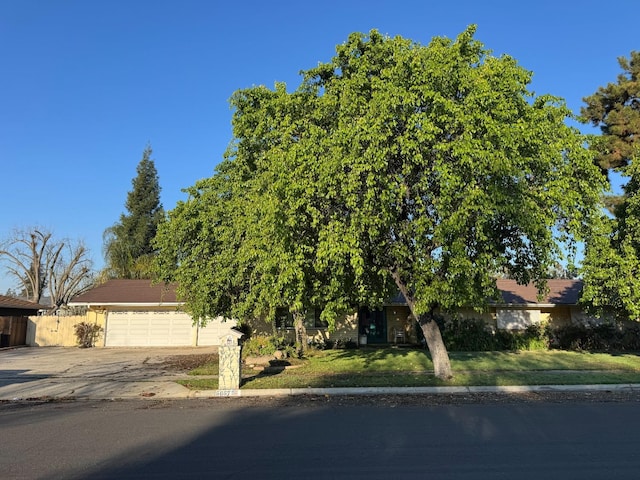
(12, 302)
(122, 291)
(561, 292)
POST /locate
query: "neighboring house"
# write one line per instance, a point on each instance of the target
(14, 314)
(136, 313)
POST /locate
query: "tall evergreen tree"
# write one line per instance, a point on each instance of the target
(611, 268)
(615, 108)
(127, 248)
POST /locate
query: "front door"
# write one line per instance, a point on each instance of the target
(373, 323)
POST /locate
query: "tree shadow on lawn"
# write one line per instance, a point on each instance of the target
(374, 367)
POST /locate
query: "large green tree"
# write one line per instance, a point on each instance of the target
(611, 267)
(395, 166)
(230, 246)
(127, 244)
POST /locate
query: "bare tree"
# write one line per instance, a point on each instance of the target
(39, 263)
(70, 273)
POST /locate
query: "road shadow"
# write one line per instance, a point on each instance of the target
(362, 438)
(13, 377)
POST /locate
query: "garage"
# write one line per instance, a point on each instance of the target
(214, 329)
(148, 328)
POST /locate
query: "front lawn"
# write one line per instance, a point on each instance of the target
(398, 367)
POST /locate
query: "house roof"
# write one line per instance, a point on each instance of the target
(123, 292)
(143, 292)
(561, 292)
(19, 304)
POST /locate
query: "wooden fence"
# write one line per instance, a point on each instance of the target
(53, 330)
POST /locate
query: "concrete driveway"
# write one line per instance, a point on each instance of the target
(60, 372)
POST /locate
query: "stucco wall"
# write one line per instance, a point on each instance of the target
(346, 329)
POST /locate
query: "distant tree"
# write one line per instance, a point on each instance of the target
(41, 264)
(395, 166)
(611, 267)
(615, 108)
(127, 244)
(12, 293)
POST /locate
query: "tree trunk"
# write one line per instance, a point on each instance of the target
(437, 349)
(301, 333)
(431, 331)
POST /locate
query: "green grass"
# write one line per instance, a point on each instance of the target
(392, 367)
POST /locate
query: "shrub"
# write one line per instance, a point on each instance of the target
(260, 345)
(86, 333)
(467, 335)
(474, 335)
(607, 337)
(534, 337)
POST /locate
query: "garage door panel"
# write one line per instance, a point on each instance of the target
(211, 333)
(144, 328)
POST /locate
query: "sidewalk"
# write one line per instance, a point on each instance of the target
(56, 388)
(118, 374)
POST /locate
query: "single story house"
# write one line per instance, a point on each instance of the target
(14, 313)
(517, 307)
(137, 313)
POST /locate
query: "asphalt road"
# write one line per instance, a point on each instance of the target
(323, 437)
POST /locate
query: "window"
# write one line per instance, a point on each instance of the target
(284, 319)
(312, 319)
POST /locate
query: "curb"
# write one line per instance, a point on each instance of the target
(280, 392)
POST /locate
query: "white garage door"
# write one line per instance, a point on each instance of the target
(216, 328)
(148, 329)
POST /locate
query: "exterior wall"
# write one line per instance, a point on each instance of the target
(516, 318)
(98, 317)
(346, 329)
(556, 317)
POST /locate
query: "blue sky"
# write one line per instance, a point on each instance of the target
(85, 85)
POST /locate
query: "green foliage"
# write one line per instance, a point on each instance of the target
(340, 343)
(607, 337)
(87, 333)
(127, 244)
(534, 337)
(261, 345)
(474, 335)
(611, 268)
(468, 335)
(615, 108)
(394, 166)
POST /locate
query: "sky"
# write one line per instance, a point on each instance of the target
(87, 85)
